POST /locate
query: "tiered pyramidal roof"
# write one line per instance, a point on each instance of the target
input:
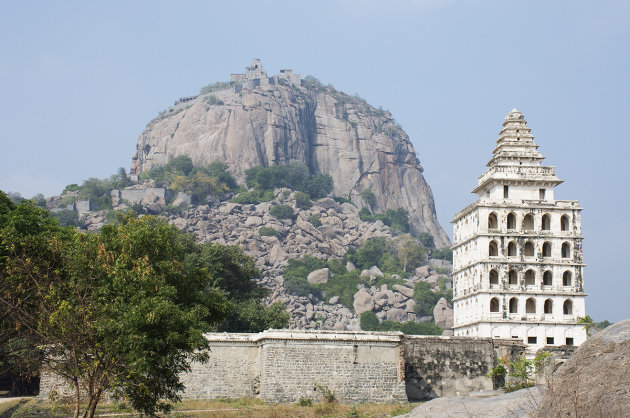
(515, 159)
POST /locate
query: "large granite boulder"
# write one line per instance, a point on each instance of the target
(595, 380)
(359, 146)
(363, 302)
(443, 314)
(319, 276)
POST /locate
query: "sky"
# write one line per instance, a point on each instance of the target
(80, 80)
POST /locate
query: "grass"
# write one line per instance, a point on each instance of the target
(243, 407)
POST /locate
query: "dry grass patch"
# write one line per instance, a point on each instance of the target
(244, 407)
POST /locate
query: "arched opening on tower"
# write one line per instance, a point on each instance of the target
(511, 249)
(528, 222)
(548, 306)
(564, 223)
(493, 223)
(493, 249)
(511, 221)
(513, 305)
(494, 277)
(566, 278)
(512, 277)
(566, 250)
(529, 249)
(530, 306)
(546, 222)
(546, 249)
(547, 278)
(530, 278)
(567, 307)
(494, 305)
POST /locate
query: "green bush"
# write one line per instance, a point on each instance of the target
(314, 220)
(282, 212)
(365, 215)
(294, 175)
(267, 231)
(246, 198)
(426, 239)
(212, 87)
(444, 253)
(369, 322)
(302, 200)
(68, 218)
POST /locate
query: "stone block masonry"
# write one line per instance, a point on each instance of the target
(375, 367)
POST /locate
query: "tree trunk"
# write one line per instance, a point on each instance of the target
(77, 399)
(93, 402)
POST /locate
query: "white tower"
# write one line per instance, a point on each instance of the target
(517, 252)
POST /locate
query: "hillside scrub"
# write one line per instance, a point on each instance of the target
(397, 220)
(180, 175)
(96, 190)
(369, 322)
(296, 176)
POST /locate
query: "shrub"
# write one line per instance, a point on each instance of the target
(318, 186)
(305, 402)
(282, 212)
(68, 218)
(425, 299)
(302, 200)
(443, 253)
(314, 220)
(369, 321)
(246, 198)
(267, 231)
(368, 197)
(426, 239)
(365, 215)
(212, 87)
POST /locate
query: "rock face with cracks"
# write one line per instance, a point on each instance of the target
(594, 381)
(332, 133)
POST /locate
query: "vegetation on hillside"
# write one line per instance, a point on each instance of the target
(261, 182)
(181, 175)
(369, 322)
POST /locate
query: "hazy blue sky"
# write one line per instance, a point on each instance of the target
(79, 81)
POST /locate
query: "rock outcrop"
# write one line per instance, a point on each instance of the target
(332, 133)
(594, 381)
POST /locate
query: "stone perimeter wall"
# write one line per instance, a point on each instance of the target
(383, 367)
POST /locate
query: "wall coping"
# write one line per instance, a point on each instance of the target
(304, 335)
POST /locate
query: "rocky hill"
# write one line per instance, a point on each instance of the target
(326, 230)
(263, 121)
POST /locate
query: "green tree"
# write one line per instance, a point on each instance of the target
(119, 309)
(368, 197)
(282, 212)
(369, 321)
(410, 253)
(426, 239)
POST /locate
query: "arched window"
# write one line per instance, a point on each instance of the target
(566, 250)
(530, 305)
(512, 278)
(547, 278)
(567, 308)
(511, 221)
(546, 222)
(546, 250)
(548, 306)
(512, 249)
(564, 223)
(566, 278)
(529, 249)
(530, 278)
(493, 250)
(493, 223)
(528, 222)
(494, 305)
(513, 305)
(494, 277)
